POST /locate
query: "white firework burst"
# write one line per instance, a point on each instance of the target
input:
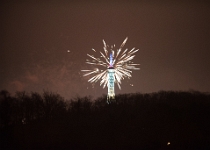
(119, 60)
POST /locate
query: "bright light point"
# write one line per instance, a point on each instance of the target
(168, 143)
(68, 51)
(131, 84)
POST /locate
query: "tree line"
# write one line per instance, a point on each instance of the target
(136, 120)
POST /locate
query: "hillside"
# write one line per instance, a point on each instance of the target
(162, 120)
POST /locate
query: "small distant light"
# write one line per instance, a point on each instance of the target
(87, 87)
(168, 143)
(68, 51)
(24, 121)
(131, 84)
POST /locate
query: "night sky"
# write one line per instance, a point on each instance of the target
(44, 45)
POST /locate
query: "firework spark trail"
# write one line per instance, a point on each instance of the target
(121, 63)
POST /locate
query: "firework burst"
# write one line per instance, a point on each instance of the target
(119, 60)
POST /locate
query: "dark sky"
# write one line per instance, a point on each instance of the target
(173, 39)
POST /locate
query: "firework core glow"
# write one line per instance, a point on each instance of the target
(111, 60)
(117, 66)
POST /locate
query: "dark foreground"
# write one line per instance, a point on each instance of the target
(163, 120)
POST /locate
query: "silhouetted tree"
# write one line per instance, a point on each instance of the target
(54, 105)
(5, 108)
